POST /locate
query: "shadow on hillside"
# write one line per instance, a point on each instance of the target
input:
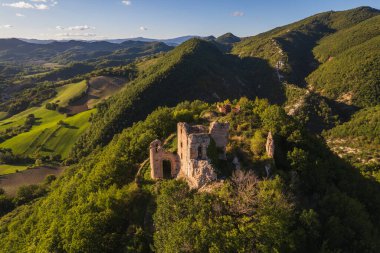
(206, 74)
(345, 111)
(71, 127)
(264, 80)
(317, 123)
(299, 48)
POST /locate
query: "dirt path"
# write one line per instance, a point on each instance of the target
(11, 183)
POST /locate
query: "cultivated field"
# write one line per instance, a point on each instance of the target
(50, 136)
(10, 183)
(99, 89)
(9, 169)
(53, 132)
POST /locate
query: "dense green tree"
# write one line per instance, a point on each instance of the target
(258, 143)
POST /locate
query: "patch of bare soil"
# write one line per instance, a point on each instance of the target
(100, 88)
(346, 98)
(293, 109)
(11, 183)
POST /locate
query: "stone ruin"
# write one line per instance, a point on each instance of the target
(228, 108)
(191, 161)
(270, 147)
(166, 165)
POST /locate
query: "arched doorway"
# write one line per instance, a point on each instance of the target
(167, 169)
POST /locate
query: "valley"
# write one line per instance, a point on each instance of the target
(277, 133)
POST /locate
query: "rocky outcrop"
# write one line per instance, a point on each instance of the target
(202, 173)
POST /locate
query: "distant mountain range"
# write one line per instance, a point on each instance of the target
(111, 52)
(321, 75)
(64, 52)
(170, 42)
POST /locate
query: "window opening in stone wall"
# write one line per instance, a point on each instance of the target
(200, 152)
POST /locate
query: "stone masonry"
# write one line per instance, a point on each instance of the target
(270, 147)
(157, 156)
(191, 161)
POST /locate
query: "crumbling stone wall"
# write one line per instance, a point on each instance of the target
(228, 108)
(191, 161)
(219, 132)
(224, 108)
(157, 156)
(193, 142)
(270, 147)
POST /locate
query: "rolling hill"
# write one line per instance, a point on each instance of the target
(342, 40)
(358, 140)
(194, 70)
(228, 38)
(317, 193)
(99, 206)
(290, 48)
(197, 70)
(17, 51)
(53, 133)
(348, 72)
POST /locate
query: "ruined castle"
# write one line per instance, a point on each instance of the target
(191, 161)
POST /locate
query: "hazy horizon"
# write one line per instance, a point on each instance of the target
(165, 19)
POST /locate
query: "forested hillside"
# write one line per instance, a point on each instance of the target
(312, 196)
(92, 109)
(17, 51)
(293, 44)
(328, 63)
(194, 70)
(358, 139)
(351, 77)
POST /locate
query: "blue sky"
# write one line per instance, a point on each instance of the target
(101, 19)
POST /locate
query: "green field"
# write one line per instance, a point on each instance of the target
(47, 136)
(3, 115)
(68, 92)
(10, 169)
(42, 115)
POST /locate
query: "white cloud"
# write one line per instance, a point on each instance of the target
(20, 15)
(20, 5)
(80, 28)
(76, 28)
(36, 4)
(41, 7)
(126, 2)
(72, 35)
(143, 28)
(238, 14)
(6, 26)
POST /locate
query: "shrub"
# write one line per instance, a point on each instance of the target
(258, 142)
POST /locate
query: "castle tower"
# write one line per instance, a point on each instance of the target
(270, 147)
(191, 161)
(182, 145)
(155, 159)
